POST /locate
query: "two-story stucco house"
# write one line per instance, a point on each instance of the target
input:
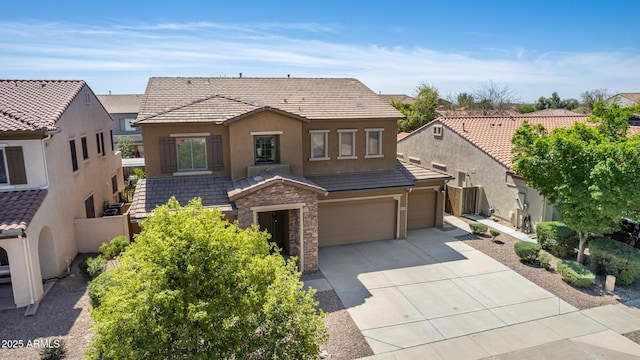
(313, 161)
(123, 109)
(57, 164)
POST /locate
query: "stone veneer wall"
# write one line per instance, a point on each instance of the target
(279, 194)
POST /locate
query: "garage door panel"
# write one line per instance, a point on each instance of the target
(357, 221)
(421, 211)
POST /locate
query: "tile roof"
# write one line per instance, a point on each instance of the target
(406, 99)
(150, 193)
(365, 180)
(492, 134)
(17, 208)
(218, 99)
(635, 97)
(418, 173)
(248, 185)
(33, 105)
(554, 112)
(121, 103)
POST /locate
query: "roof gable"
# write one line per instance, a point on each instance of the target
(245, 186)
(121, 103)
(308, 98)
(34, 105)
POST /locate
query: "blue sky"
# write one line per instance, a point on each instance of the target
(533, 47)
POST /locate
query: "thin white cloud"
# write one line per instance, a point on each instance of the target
(273, 49)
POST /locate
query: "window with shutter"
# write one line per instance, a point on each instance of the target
(168, 159)
(74, 154)
(214, 147)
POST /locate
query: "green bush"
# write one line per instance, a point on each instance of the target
(114, 247)
(545, 260)
(92, 267)
(57, 349)
(527, 251)
(557, 238)
(575, 273)
(99, 286)
(478, 229)
(615, 258)
(494, 233)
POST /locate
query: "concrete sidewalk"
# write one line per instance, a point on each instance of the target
(432, 296)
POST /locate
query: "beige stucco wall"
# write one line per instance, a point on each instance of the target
(500, 191)
(152, 132)
(335, 165)
(26, 281)
(34, 159)
(95, 232)
(241, 141)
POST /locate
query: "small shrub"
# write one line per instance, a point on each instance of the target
(99, 286)
(139, 173)
(545, 260)
(615, 258)
(478, 229)
(494, 233)
(575, 273)
(527, 251)
(114, 247)
(557, 238)
(56, 350)
(92, 267)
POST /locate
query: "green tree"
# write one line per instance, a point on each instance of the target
(492, 98)
(400, 106)
(195, 286)
(422, 110)
(126, 147)
(555, 102)
(526, 108)
(591, 97)
(589, 171)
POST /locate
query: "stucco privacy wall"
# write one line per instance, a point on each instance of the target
(93, 232)
(451, 153)
(282, 196)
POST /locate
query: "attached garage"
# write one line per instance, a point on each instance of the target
(421, 212)
(346, 222)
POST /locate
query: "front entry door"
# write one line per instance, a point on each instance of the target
(277, 224)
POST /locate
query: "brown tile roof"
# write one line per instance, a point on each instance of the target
(248, 185)
(406, 99)
(33, 105)
(121, 103)
(492, 134)
(17, 208)
(150, 193)
(554, 112)
(220, 99)
(418, 173)
(635, 97)
(401, 136)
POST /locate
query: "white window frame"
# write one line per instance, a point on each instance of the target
(437, 130)
(326, 144)
(3, 158)
(379, 154)
(128, 127)
(347, 132)
(192, 169)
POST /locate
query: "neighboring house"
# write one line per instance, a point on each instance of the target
(553, 112)
(124, 110)
(313, 161)
(477, 151)
(624, 99)
(387, 98)
(57, 167)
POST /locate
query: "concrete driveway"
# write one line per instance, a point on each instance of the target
(433, 296)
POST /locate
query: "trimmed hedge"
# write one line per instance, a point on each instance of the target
(615, 258)
(100, 285)
(478, 228)
(527, 251)
(545, 260)
(557, 238)
(494, 233)
(112, 249)
(575, 273)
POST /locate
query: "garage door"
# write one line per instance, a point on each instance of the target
(356, 221)
(421, 212)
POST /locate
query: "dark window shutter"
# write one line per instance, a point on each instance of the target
(98, 141)
(168, 160)
(216, 161)
(15, 163)
(102, 144)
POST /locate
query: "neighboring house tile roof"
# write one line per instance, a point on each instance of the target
(35, 105)
(635, 97)
(121, 103)
(248, 185)
(17, 208)
(492, 134)
(219, 99)
(150, 193)
(401, 136)
(418, 173)
(554, 112)
(406, 99)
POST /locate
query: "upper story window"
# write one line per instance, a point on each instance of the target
(347, 142)
(192, 153)
(319, 144)
(12, 169)
(4, 174)
(100, 143)
(85, 149)
(374, 143)
(114, 184)
(266, 149)
(74, 154)
(125, 125)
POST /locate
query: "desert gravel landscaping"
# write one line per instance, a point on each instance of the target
(64, 312)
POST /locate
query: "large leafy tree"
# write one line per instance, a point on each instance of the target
(422, 110)
(588, 170)
(193, 286)
(555, 102)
